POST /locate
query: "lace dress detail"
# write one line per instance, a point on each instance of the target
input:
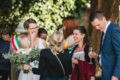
(30, 75)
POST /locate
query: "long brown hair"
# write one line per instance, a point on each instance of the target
(70, 23)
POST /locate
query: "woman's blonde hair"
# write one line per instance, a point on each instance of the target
(56, 42)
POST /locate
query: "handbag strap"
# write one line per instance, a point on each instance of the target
(61, 64)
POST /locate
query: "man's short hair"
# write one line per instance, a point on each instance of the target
(95, 14)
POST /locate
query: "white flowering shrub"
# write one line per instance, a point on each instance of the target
(50, 13)
(47, 13)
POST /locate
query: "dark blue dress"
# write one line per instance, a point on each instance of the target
(4, 49)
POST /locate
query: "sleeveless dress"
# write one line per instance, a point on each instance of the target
(30, 75)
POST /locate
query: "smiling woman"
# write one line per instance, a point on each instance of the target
(82, 70)
(31, 41)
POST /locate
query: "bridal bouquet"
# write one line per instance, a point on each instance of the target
(23, 56)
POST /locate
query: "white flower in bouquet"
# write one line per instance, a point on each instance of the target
(21, 51)
(24, 51)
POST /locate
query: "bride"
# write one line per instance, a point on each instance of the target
(29, 42)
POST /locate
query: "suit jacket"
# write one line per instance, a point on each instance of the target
(110, 53)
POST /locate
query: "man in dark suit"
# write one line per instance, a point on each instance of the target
(4, 48)
(110, 46)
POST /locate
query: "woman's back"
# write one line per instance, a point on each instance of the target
(52, 67)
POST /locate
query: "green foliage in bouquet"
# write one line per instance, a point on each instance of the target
(34, 54)
(23, 56)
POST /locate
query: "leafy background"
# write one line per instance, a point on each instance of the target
(47, 13)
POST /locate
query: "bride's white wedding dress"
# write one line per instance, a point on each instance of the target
(30, 75)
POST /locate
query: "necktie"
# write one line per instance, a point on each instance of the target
(102, 38)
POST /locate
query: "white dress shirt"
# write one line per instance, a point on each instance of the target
(105, 30)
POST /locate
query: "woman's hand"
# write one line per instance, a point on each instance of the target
(75, 61)
(33, 35)
(27, 67)
(93, 55)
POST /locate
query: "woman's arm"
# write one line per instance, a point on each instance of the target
(40, 69)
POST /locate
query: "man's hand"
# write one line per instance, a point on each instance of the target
(114, 78)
